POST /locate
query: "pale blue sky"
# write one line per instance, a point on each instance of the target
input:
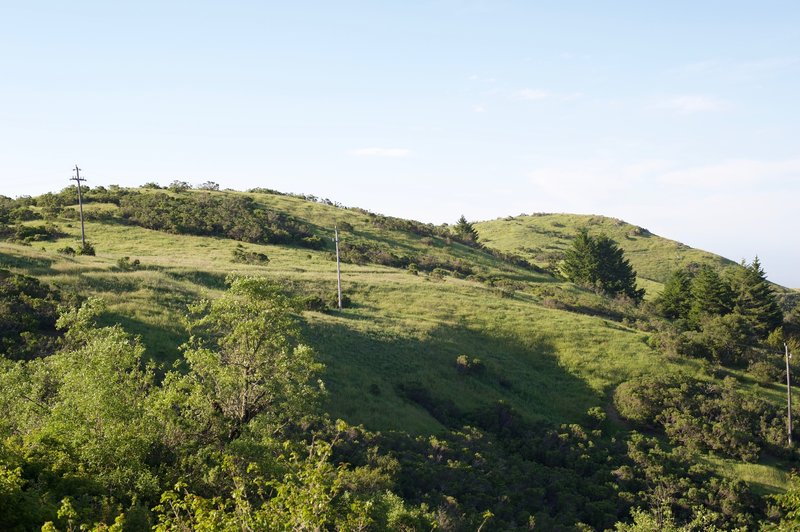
(678, 116)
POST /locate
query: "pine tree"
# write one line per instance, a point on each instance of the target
(754, 299)
(466, 231)
(675, 301)
(598, 261)
(711, 295)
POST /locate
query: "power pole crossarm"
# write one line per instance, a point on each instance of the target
(78, 179)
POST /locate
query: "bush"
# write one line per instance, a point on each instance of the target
(125, 264)
(314, 303)
(244, 256)
(66, 250)
(86, 249)
(333, 300)
(467, 366)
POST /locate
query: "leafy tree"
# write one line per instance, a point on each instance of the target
(245, 359)
(598, 261)
(754, 299)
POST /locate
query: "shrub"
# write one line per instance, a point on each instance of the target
(333, 300)
(66, 250)
(314, 303)
(467, 366)
(244, 256)
(86, 249)
(125, 264)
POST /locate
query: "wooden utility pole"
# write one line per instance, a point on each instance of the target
(338, 266)
(78, 179)
(788, 392)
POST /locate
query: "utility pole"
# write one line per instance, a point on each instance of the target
(338, 267)
(788, 392)
(78, 180)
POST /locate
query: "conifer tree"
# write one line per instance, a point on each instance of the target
(711, 295)
(754, 299)
(465, 230)
(598, 261)
(675, 301)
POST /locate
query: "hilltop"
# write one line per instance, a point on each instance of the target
(437, 330)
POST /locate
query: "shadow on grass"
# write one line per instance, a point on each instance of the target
(32, 265)
(199, 277)
(161, 342)
(371, 375)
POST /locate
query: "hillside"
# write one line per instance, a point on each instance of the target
(419, 299)
(542, 239)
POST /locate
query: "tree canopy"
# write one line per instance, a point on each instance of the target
(599, 262)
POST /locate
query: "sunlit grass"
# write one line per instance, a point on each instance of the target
(401, 329)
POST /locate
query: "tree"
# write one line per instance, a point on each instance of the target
(675, 301)
(465, 230)
(599, 262)
(245, 359)
(711, 295)
(754, 299)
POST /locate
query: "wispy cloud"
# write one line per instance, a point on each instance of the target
(740, 173)
(532, 95)
(381, 152)
(737, 70)
(478, 109)
(689, 104)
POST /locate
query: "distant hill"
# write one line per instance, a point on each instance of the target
(542, 239)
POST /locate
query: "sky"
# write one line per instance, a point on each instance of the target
(678, 116)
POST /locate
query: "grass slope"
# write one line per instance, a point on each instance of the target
(401, 337)
(540, 238)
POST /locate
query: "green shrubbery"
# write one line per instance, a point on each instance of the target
(704, 415)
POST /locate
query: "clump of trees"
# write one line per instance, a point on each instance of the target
(597, 261)
(235, 217)
(721, 317)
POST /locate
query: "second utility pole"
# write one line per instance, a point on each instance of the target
(788, 391)
(78, 179)
(338, 267)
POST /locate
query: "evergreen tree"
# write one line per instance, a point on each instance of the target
(711, 295)
(598, 261)
(754, 299)
(675, 301)
(465, 230)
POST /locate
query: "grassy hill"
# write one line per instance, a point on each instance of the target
(547, 348)
(542, 239)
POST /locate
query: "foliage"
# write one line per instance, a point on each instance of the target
(244, 256)
(755, 301)
(704, 415)
(599, 262)
(28, 313)
(235, 217)
(465, 231)
(245, 361)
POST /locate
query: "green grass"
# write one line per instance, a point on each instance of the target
(538, 237)
(402, 329)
